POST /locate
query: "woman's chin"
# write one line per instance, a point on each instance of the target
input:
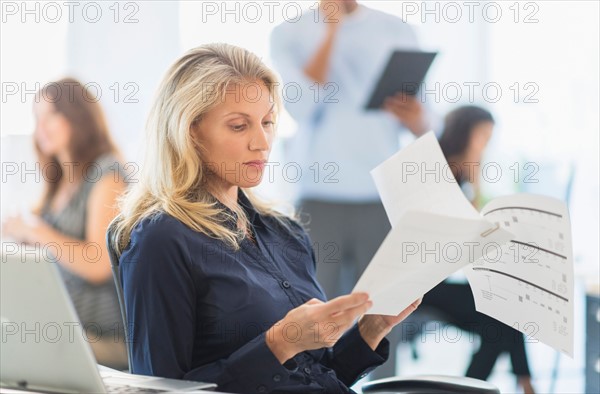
(251, 179)
(248, 184)
(47, 150)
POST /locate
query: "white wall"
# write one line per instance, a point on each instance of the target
(126, 59)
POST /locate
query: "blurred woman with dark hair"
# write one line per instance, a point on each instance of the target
(83, 178)
(467, 131)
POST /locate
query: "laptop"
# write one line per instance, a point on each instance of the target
(43, 344)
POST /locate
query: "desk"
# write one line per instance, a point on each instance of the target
(110, 376)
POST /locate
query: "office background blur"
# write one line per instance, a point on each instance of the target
(534, 65)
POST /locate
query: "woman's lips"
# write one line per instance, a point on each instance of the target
(260, 164)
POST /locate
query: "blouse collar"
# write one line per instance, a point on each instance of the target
(246, 205)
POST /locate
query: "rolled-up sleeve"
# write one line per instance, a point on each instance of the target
(160, 299)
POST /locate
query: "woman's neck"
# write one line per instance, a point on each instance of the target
(227, 195)
(464, 169)
(456, 166)
(72, 172)
(65, 160)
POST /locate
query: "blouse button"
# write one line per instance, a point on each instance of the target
(286, 284)
(261, 389)
(276, 377)
(307, 370)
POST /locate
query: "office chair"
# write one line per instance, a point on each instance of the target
(114, 264)
(430, 384)
(413, 385)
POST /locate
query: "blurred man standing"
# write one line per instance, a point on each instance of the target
(330, 59)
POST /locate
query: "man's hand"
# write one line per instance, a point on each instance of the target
(333, 13)
(409, 111)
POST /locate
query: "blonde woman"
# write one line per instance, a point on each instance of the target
(219, 286)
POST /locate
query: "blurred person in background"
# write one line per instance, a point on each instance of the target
(467, 131)
(333, 56)
(83, 178)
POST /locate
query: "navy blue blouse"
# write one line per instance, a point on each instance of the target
(198, 310)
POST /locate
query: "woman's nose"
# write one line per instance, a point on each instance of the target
(260, 139)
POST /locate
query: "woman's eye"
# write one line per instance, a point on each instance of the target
(268, 123)
(238, 127)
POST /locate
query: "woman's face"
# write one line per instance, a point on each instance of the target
(480, 136)
(237, 134)
(52, 129)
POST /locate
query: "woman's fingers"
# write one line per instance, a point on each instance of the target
(314, 301)
(346, 317)
(342, 311)
(339, 312)
(323, 323)
(410, 309)
(344, 302)
(331, 319)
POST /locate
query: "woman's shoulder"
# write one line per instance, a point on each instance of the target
(102, 178)
(159, 226)
(156, 234)
(107, 164)
(108, 161)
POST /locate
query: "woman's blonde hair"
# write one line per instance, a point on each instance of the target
(173, 175)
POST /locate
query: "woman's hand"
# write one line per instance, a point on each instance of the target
(373, 328)
(315, 324)
(23, 230)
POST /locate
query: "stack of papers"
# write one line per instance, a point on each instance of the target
(516, 253)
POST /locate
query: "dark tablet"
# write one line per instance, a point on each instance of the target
(405, 72)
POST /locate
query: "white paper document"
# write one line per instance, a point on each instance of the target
(419, 178)
(516, 253)
(420, 252)
(530, 286)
